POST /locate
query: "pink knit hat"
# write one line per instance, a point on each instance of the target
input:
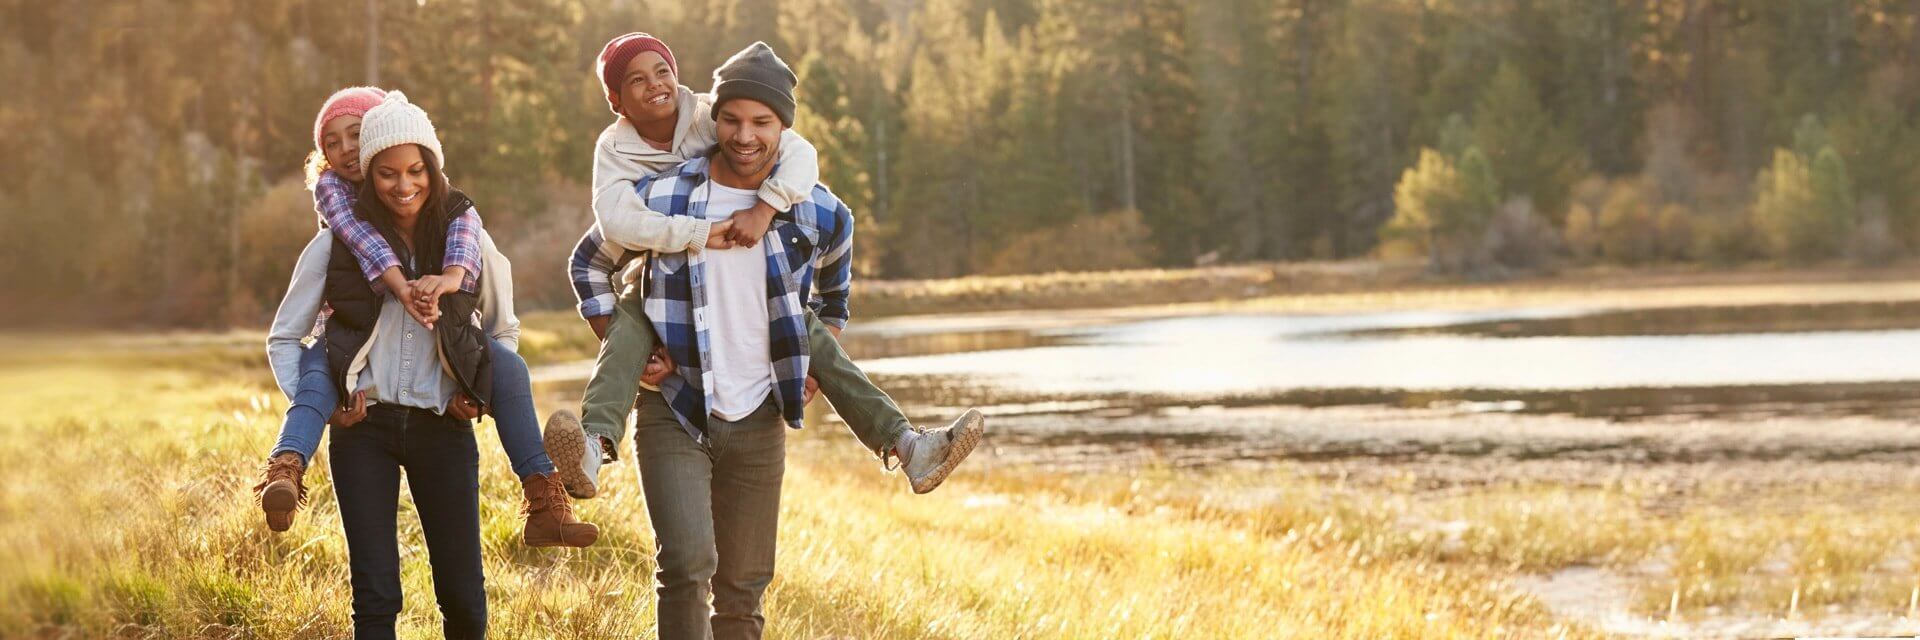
(351, 101)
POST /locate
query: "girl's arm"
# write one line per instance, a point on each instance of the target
(333, 199)
(293, 321)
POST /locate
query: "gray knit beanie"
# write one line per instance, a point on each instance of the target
(756, 73)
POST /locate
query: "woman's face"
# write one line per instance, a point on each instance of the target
(400, 178)
(648, 89)
(340, 143)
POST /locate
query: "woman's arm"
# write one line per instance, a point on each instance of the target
(293, 321)
(496, 296)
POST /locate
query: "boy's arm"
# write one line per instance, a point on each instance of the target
(623, 215)
(833, 273)
(333, 200)
(792, 183)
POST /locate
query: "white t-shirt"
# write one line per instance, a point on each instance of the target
(737, 315)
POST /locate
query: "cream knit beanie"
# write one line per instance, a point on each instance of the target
(393, 123)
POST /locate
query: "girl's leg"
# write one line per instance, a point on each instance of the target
(550, 519)
(282, 490)
(313, 402)
(513, 414)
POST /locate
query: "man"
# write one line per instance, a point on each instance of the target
(734, 326)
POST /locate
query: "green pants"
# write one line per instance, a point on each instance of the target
(869, 413)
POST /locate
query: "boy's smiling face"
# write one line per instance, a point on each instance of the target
(647, 90)
(340, 143)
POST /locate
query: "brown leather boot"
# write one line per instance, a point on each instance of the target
(550, 521)
(282, 492)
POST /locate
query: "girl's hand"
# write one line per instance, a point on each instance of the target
(351, 414)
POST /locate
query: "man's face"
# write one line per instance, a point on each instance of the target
(646, 92)
(749, 133)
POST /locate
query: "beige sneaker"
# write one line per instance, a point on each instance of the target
(934, 455)
(574, 454)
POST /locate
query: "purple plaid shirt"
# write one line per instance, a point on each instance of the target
(333, 199)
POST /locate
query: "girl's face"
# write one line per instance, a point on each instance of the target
(648, 89)
(340, 143)
(400, 177)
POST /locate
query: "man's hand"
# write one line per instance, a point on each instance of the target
(462, 407)
(599, 326)
(351, 414)
(717, 235)
(813, 388)
(750, 224)
(659, 365)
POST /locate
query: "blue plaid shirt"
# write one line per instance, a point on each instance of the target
(809, 252)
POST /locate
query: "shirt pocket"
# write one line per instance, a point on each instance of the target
(797, 242)
(671, 263)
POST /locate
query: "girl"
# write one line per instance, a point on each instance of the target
(335, 172)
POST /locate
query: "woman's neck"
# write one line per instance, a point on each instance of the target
(405, 226)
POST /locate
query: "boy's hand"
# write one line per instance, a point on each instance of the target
(750, 224)
(717, 235)
(351, 414)
(659, 365)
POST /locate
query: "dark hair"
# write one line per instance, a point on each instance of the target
(429, 232)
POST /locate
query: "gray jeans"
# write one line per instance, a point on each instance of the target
(716, 511)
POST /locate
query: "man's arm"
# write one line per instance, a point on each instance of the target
(592, 270)
(833, 271)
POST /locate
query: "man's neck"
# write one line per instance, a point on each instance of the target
(723, 174)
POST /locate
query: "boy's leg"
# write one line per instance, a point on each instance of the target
(282, 489)
(609, 398)
(929, 456)
(872, 416)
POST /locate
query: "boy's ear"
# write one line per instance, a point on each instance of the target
(614, 99)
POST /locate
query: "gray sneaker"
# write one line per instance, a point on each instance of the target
(574, 454)
(934, 454)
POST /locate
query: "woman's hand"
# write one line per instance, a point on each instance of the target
(351, 414)
(659, 365)
(423, 295)
(462, 407)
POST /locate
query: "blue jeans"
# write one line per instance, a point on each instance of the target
(514, 417)
(443, 476)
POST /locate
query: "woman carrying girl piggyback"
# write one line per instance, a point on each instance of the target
(457, 266)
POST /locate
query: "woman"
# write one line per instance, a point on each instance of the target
(336, 174)
(422, 386)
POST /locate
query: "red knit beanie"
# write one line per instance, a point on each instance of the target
(351, 101)
(619, 51)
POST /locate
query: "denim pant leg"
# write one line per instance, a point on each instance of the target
(314, 399)
(676, 474)
(749, 464)
(366, 482)
(514, 417)
(443, 474)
